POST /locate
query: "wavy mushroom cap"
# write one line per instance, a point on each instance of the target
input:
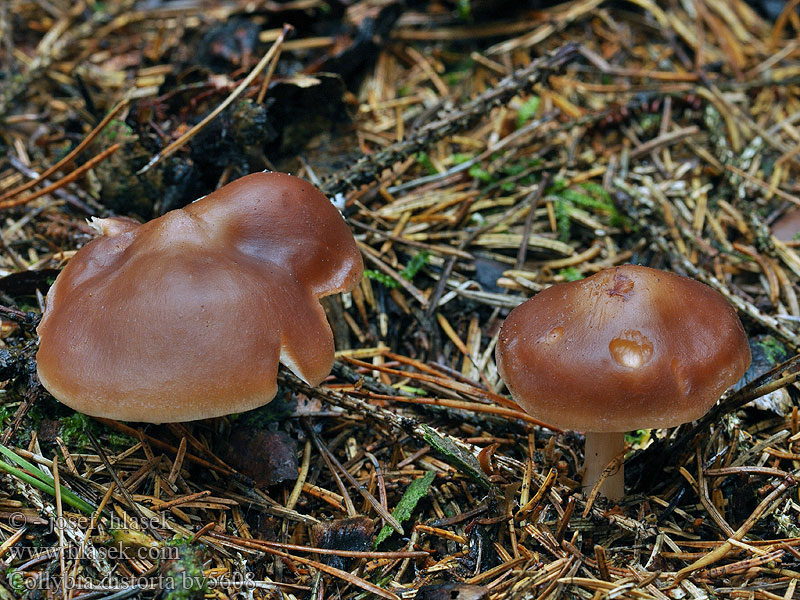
(627, 348)
(187, 316)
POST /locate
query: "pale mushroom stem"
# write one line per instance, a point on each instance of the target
(600, 450)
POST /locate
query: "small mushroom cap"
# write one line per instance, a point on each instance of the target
(187, 316)
(627, 348)
(788, 226)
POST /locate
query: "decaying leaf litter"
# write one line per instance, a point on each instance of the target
(480, 153)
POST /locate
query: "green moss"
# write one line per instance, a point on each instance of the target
(590, 202)
(184, 578)
(773, 349)
(640, 436)
(74, 428)
(478, 172)
(649, 122)
(117, 128)
(425, 160)
(7, 411)
(561, 209)
(527, 110)
(16, 579)
(416, 263)
(74, 425)
(571, 274)
(381, 278)
(178, 540)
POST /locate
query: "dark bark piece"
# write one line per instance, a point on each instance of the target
(268, 457)
(354, 534)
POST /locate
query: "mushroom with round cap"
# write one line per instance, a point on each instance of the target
(787, 227)
(627, 348)
(187, 316)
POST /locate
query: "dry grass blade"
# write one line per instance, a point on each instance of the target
(343, 575)
(328, 551)
(471, 406)
(367, 496)
(723, 550)
(72, 154)
(6, 204)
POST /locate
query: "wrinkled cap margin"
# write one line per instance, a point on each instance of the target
(627, 348)
(187, 316)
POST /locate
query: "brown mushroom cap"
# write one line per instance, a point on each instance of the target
(627, 348)
(788, 226)
(187, 316)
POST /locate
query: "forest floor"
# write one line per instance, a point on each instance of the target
(481, 152)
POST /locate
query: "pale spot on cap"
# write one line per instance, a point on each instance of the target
(631, 349)
(553, 336)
